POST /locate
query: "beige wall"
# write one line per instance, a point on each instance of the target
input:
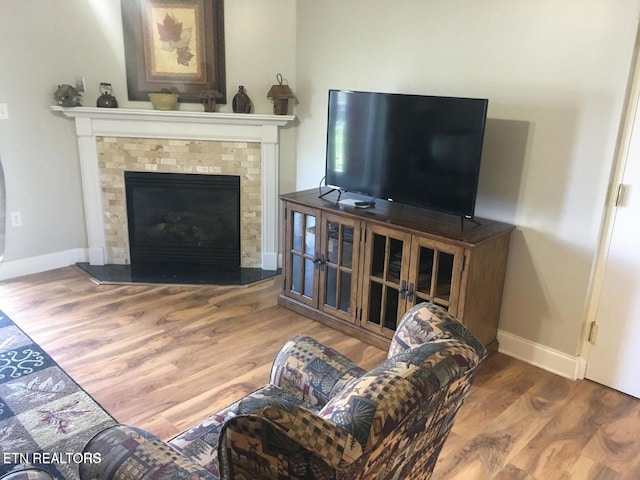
(555, 74)
(44, 43)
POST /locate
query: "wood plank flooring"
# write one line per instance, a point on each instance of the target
(163, 357)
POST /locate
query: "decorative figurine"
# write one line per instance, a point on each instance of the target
(280, 94)
(241, 102)
(106, 100)
(67, 96)
(209, 98)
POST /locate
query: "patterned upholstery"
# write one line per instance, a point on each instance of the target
(311, 371)
(128, 453)
(322, 416)
(28, 474)
(201, 442)
(425, 323)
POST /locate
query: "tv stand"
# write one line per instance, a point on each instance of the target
(359, 270)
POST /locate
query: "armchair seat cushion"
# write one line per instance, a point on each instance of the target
(200, 443)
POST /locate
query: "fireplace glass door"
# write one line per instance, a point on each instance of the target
(183, 218)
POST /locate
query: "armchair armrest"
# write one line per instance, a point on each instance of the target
(280, 444)
(312, 371)
(127, 453)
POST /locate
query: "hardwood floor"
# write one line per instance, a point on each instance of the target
(163, 357)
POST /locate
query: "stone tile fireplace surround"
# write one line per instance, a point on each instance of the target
(112, 141)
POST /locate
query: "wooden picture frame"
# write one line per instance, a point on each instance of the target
(174, 45)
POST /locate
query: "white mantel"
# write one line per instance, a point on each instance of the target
(185, 125)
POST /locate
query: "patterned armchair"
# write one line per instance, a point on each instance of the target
(321, 416)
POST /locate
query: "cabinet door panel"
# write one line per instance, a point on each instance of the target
(339, 254)
(309, 235)
(346, 301)
(435, 273)
(297, 274)
(386, 260)
(301, 255)
(331, 288)
(392, 310)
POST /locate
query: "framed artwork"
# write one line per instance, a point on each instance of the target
(175, 46)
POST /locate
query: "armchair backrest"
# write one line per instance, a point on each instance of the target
(403, 410)
(312, 371)
(426, 322)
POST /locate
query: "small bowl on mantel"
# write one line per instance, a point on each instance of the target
(163, 101)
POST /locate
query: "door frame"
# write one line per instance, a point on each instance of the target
(623, 142)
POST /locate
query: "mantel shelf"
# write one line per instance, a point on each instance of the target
(174, 116)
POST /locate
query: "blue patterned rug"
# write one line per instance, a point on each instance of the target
(46, 419)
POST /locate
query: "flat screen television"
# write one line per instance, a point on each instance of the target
(412, 149)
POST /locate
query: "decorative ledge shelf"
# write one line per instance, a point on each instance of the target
(174, 116)
(129, 122)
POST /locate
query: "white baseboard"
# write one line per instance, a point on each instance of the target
(541, 356)
(42, 263)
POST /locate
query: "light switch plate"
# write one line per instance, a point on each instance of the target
(80, 86)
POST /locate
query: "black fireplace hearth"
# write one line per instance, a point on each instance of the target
(172, 274)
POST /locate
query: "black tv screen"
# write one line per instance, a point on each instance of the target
(413, 149)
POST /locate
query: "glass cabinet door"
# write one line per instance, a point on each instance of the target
(339, 266)
(434, 269)
(302, 255)
(386, 263)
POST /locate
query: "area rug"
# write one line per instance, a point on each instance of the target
(46, 418)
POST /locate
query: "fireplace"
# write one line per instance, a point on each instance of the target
(183, 219)
(112, 141)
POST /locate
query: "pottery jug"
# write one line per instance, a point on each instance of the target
(241, 102)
